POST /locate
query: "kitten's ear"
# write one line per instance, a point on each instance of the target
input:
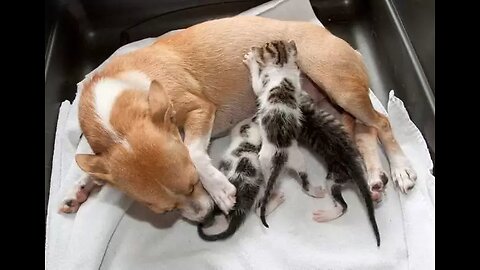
(292, 47)
(259, 56)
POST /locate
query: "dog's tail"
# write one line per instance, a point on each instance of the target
(278, 161)
(326, 136)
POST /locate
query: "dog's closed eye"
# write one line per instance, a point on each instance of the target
(192, 189)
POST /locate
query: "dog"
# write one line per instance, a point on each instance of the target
(194, 80)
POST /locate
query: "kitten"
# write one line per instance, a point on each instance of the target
(326, 136)
(275, 80)
(241, 166)
(286, 114)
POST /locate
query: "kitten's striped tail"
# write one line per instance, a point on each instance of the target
(246, 195)
(278, 161)
(237, 217)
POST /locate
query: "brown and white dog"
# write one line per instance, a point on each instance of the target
(200, 85)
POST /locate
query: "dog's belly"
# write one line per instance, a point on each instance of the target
(230, 113)
(321, 100)
(215, 52)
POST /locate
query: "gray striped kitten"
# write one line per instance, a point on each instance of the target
(325, 135)
(275, 80)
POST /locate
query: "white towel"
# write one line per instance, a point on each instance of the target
(111, 232)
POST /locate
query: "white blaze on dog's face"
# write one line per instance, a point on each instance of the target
(150, 163)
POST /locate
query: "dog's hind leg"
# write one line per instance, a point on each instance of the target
(401, 170)
(349, 124)
(340, 72)
(366, 140)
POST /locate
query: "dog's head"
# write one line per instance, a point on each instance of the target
(151, 164)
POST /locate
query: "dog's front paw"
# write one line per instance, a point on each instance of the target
(223, 193)
(404, 177)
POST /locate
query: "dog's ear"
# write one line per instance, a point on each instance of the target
(161, 107)
(95, 166)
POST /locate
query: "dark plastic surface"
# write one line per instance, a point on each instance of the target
(418, 17)
(84, 33)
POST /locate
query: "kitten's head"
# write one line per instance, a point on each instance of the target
(277, 53)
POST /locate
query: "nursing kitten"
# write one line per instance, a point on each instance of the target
(286, 114)
(241, 166)
(326, 136)
(276, 82)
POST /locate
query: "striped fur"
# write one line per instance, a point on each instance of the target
(276, 82)
(241, 166)
(326, 136)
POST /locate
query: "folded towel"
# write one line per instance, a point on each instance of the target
(112, 232)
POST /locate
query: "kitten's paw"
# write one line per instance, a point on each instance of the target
(249, 58)
(327, 215)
